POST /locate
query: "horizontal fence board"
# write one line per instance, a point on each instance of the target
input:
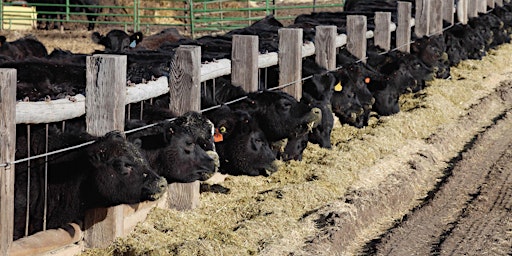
(64, 109)
(19, 17)
(46, 241)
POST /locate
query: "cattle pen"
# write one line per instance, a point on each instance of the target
(183, 86)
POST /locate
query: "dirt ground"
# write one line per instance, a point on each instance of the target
(466, 211)
(433, 179)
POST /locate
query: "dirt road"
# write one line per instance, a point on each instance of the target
(466, 213)
(470, 212)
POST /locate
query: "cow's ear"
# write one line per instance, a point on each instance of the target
(136, 38)
(96, 157)
(96, 37)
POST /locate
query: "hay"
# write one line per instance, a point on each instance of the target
(269, 215)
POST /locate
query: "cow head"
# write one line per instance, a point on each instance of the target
(242, 146)
(117, 41)
(120, 174)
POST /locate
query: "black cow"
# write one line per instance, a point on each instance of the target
(56, 9)
(44, 79)
(345, 101)
(90, 7)
(277, 113)
(22, 48)
(463, 42)
(317, 92)
(117, 41)
(109, 172)
(147, 65)
(242, 146)
(173, 152)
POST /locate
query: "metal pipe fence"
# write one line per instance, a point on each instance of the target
(193, 18)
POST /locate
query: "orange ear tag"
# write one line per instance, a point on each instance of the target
(217, 136)
(338, 87)
(367, 80)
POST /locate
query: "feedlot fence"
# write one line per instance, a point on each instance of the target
(184, 87)
(192, 17)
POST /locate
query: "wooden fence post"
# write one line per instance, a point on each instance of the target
(7, 149)
(105, 112)
(448, 11)
(436, 17)
(403, 28)
(422, 18)
(382, 33)
(185, 94)
(472, 8)
(462, 11)
(290, 60)
(325, 46)
(481, 6)
(356, 36)
(244, 62)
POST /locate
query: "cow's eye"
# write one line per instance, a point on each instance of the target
(127, 170)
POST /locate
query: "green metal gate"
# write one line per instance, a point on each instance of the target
(193, 17)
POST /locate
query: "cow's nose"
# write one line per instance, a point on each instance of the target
(162, 184)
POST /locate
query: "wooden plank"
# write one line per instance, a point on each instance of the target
(290, 61)
(462, 11)
(105, 105)
(185, 90)
(436, 17)
(46, 241)
(403, 28)
(7, 150)
(498, 3)
(356, 36)
(244, 62)
(325, 46)
(448, 6)
(491, 3)
(422, 18)
(68, 250)
(136, 213)
(382, 33)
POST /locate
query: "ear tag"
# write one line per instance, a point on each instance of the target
(133, 44)
(217, 136)
(338, 87)
(367, 80)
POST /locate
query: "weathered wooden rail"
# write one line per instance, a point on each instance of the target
(105, 107)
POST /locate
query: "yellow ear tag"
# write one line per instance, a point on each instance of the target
(338, 87)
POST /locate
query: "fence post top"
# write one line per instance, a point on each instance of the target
(185, 47)
(326, 27)
(106, 55)
(245, 36)
(7, 70)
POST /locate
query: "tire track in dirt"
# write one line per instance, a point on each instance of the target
(486, 226)
(469, 213)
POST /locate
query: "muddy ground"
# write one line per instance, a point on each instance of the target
(433, 179)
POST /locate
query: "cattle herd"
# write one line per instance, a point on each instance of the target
(244, 135)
